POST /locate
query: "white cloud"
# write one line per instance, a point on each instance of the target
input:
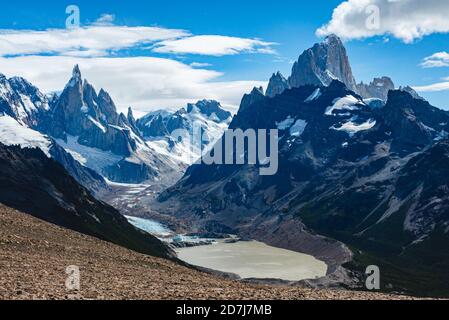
(92, 40)
(439, 59)
(200, 65)
(47, 57)
(214, 45)
(435, 87)
(145, 83)
(102, 37)
(105, 19)
(407, 20)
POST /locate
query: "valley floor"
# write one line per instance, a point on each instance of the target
(34, 256)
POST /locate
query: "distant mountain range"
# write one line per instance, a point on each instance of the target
(87, 126)
(372, 176)
(58, 152)
(363, 168)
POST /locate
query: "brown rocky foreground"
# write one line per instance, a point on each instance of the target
(34, 256)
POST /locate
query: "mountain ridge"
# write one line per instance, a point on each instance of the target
(344, 143)
(35, 184)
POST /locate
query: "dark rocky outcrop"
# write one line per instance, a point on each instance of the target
(39, 186)
(88, 178)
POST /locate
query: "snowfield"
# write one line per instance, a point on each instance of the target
(298, 128)
(13, 133)
(93, 158)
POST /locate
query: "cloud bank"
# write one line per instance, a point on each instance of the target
(95, 40)
(146, 83)
(435, 87)
(437, 60)
(214, 45)
(406, 20)
(103, 38)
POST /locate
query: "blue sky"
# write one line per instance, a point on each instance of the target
(283, 29)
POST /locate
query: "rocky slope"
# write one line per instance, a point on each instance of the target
(34, 256)
(351, 169)
(39, 186)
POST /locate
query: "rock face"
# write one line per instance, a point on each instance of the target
(93, 118)
(85, 176)
(39, 186)
(346, 170)
(378, 88)
(323, 63)
(277, 85)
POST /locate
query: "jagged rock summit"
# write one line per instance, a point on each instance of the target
(278, 84)
(378, 88)
(324, 62)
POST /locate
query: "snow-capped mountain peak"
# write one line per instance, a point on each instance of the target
(158, 128)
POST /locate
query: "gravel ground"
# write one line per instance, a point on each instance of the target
(34, 256)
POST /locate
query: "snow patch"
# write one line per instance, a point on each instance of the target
(443, 134)
(92, 158)
(98, 124)
(13, 133)
(348, 103)
(84, 108)
(285, 124)
(315, 95)
(27, 103)
(352, 128)
(298, 128)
